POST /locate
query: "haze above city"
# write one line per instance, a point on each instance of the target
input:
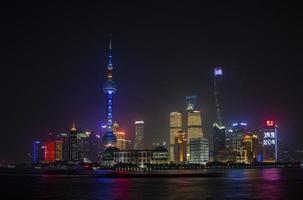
(55, 55)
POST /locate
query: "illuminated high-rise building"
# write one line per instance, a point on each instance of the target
(197, 146)
(175, 125)
(139, 135)
(219, 140)
(109, 88)
(218, 77)
(64, 137)
(83, 145)
(194, 124)
(180, 147)
(59, 150)
(49, 151)
(198, 150)
(251, 143)
(237, 135)
(73, 145)
(269, 136)
(120, 135)
(94, 146)
(37, 152)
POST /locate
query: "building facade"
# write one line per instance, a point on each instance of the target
(219, 141)
(175, 125)
(269, 136)
(199, 150)
(180, 147)
(139, 135)
(73, 145)
(141, 158)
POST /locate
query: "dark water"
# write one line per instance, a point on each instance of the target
(234, 184)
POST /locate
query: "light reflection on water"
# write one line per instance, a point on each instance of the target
(235, 184)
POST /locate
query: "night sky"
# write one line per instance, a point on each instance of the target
(53, 65)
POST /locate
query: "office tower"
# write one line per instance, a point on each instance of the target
(83, 145)
(94, 147)
(73, 145)
(270, 141)
(109, 88)
(120, 135)
(250, 143)
(194, 131)
(59, 150)
(194, 124)
(199, 150)
(175, 125)
(239, 130)
(194, 128)
(37, 152)
(64, 137)
(139, 131)
(49, 151)
(218, 77)
(180, 147)
(219, 140)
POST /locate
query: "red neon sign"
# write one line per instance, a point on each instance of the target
(269, 123)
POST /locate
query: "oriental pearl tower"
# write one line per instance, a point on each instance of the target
(109, 88)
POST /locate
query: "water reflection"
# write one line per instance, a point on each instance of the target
(236, 184)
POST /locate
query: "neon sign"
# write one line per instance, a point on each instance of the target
(269, 123)
(269, 138)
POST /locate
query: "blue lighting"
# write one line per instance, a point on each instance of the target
(35, 151)
(240, 124)
(109, 88)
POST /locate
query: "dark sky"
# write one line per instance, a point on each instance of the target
(53, 64)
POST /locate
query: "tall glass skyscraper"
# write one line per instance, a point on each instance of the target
(218, 77)
(73, 145)
(175, 125)
(219, 132)
(139, 129)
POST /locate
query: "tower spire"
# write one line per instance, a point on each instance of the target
(110, 54)
(74, 127)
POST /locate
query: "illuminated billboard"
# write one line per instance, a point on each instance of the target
(270, 140)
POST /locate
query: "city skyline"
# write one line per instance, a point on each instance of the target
(62, 77)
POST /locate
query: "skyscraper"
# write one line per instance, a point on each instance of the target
(180, 147)
(83, 145)
(139, 135)
(109, 88)
(250, 143)
(59, 150)
(73, 145)
(65, 146)
(49, 151)
(194, 124)
(120, 135)
(270, 141)
(219, 140)
(219, 132)
(37, 152)
(196, 146)
(218, 76)
(199, 150)
(175, 125)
